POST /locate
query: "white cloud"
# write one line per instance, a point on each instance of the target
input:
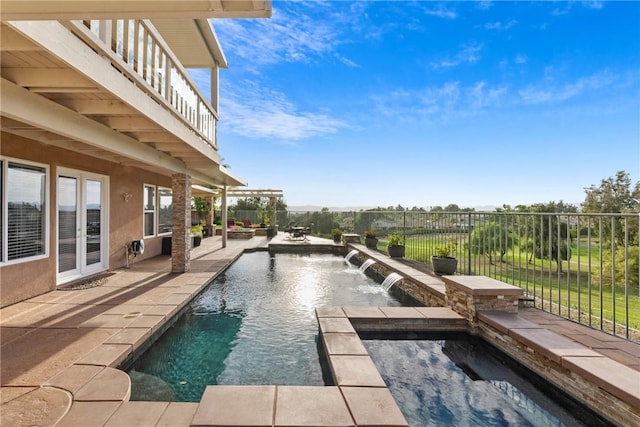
(593, 4)
(440, 11)
(291, 35)
(546, 93)
(500, 26)
(520, 59)
(441, 103)
(256, 112)
(469, 53)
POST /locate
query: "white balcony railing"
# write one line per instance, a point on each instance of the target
(139, 48)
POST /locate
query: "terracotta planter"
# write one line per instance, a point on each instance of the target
(396, 251)
(371, 242)
(444, 265)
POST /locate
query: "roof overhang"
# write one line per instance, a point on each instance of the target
(193, 41)
(198, 190)
(33, 10)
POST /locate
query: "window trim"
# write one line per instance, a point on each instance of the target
(145, 211)
(5, 210)
(168, 233)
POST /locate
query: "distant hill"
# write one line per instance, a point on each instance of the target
(314, 208)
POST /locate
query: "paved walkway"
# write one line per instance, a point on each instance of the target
(59, 350)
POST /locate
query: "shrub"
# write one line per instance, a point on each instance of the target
(394, 239)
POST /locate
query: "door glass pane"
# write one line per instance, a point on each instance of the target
(165, 215)
(67, 223)
(94, 220)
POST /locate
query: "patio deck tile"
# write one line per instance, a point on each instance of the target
(9, 393)
(348, 344)
(8, 334)
(619, 380)
(335, 324)
(401, 313)
(74, 377)
(330, 312)
(147, 321)
(178, 414)
(622, 357)
(89, 414)
(36, 357)
(550, 344)
(355, 371)
(358, 312)
(106, 355)
(176, 299)
(301, 406)
(230, 405)
(139, 414)
(505, 321)
(131, 335)
(372, 406)
(42, 406)
(107, 321)
(110, 384)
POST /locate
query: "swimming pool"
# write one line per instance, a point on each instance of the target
(255, 324)
(462, 380)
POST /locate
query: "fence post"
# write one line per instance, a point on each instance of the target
(404, 226)
(469, 243)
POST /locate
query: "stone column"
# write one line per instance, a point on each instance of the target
(209, 220)
(467, 295)
(223, 214)
(181, 236)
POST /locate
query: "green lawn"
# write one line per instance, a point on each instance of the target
(540, 278)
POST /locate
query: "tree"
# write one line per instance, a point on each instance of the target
(550, 232)
(615, 194)
(491, 237)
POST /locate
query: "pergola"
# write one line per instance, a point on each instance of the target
(224, 193)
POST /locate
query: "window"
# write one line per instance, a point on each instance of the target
(24, 217)
(149, 210)
(165, 214)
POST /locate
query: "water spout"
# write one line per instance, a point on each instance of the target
(390, 280)
(368, 263)
(348, 257)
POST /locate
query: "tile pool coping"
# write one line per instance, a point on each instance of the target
(95, 329)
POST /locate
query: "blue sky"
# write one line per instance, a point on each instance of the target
(377, 103)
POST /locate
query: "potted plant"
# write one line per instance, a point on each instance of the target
(370, 239)
(444, 261)
(395, 247)
(196, 234)
(337, 235)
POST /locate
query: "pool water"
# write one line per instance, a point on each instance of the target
(465, 381)
(255, 324)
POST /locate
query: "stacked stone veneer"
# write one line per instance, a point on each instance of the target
(468, 295)
(424, 288)
(607, 386)
(181, 236)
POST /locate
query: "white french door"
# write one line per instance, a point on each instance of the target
(82, 224)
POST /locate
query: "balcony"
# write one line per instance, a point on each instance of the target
(115, 90)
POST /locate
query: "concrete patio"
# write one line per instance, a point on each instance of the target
(60, 350)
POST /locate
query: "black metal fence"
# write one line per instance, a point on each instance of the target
(583, 267)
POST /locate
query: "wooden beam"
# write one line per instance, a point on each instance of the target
(130, 123)
(98, 107)
(10, 41)
(48, 78)
(112, 9)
